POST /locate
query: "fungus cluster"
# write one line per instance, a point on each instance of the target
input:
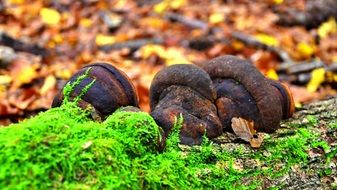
(207, 97)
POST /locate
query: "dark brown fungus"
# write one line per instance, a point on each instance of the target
(185, 90)
(288, 104)
(242, 91)
(112, 89)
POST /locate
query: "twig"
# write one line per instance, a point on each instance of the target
(193, 23)
(251, 41)
(132, 44)
(17, 45)
(300, 67)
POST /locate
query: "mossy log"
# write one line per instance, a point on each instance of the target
(63, 149)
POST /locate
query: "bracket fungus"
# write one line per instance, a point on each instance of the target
(243, 92)
(111, 89)
(185, 90)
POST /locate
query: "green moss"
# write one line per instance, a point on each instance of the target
(63, 149)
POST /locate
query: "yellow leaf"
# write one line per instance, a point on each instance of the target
(58, 38)
(160, 7)
(50, 16)
(327, 27)
(48, 84)
(152, 22)
(298, 104)
(64, 73)
(216, 18)
(148, 50)
(17, 2)
(26, 75)
(85, 22)
(305, 49)
(120, 4)
(176, 4)
(104, 39)
(267, 39)
(165, 4)
(5, 79)
(271, 73)
(175, 56)
(277, 2)
(317, 78)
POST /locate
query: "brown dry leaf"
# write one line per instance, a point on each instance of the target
(244, 129)
(257, 141)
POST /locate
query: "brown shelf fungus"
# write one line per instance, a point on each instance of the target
(110, 90)
(185, 90)
(243, 92)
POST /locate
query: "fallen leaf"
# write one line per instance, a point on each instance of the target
(163, 5)
(48, 84)
(148, 50)
(175, 56)
(267, 39)
(278, 2)
(216, 18)
(327, 27)
(50, 16)
(24, 74)
(85, 22)
(256, 141)
(5, 79)
(16, 2)
(271, 73)
(244, 129)
(317, 78)
(104, 39)
(305, 50)
(160, 7)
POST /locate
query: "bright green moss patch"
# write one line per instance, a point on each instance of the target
(63, 149)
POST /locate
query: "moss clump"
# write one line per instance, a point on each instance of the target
(63, 149)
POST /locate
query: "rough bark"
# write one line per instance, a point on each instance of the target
(309, 175)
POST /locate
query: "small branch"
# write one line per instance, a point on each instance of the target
(193, 23)
(300, 67)
(17, 45)
(251, 41)
(132, 44)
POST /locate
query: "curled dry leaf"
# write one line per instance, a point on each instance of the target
(244, 129)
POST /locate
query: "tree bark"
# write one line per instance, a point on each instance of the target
(316, 172)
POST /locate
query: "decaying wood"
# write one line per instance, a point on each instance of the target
(306, 176)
